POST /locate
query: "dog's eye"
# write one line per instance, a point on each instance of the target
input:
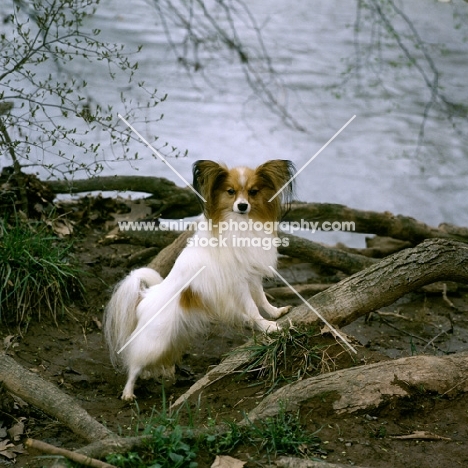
(231, 191)
(253, 192)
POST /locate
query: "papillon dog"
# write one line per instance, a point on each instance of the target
(149, 322)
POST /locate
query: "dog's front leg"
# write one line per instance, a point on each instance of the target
(254, 318)
(260, 299)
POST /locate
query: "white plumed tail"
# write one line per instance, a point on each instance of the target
(120, 314)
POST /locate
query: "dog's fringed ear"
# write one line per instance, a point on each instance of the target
(207, 177)
(280, 172)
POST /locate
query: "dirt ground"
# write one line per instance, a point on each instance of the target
(73, 356)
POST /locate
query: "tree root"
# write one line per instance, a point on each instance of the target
(294, 462)
(45, 396)
(367, 387)
(375, 287)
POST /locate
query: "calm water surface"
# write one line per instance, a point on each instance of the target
(371, 165)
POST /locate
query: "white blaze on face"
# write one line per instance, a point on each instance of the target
(241, 204)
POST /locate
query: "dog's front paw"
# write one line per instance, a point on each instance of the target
(268, 326)
(276, 312)
(284, 310)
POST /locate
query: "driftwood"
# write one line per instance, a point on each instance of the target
(305, 290)
(45, 396)
(150, 238)
(297, 247)
(375, 287)
(377, 247)
(454, 230)
(386, 281)
(142, 256)
(165, 259)
(367, 387)
(371, 222)
(313, 252)
(175, 202)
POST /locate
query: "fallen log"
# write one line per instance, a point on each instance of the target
(371, 222)
(454, 230)
(47, 397)
(175, 202)
(388, 280)
(149, 238)
(43, 395)
(141, 256)
(313, 252)
(369, 386)
(305, 290)
(377, 247)
(377, 286)
(296, 247)
(164, 261)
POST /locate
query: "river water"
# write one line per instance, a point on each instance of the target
(374, 164)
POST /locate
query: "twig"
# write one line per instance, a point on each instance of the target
(420, 435)
(392, 314)
(446, 299)
(73, 456)
(455, 386)
(414, 336)
(435, 338)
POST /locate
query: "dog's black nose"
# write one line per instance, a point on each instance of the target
(242, 206)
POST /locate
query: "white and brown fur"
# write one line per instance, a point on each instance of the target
(229, 289)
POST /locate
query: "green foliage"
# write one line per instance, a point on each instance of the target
(37, 274)
(169, 449)
(168, 445)
(378, 433)
(128, 460)
(166, 449)
(281, 434)
(47, 105)
(225, 441)
(173, 444)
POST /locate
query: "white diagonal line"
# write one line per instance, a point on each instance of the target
(161, 309)
(312, 158)
(315, 311)
(160, 156)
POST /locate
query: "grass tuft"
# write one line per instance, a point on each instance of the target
(283, 435)
(37, 274)
(286, 355)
